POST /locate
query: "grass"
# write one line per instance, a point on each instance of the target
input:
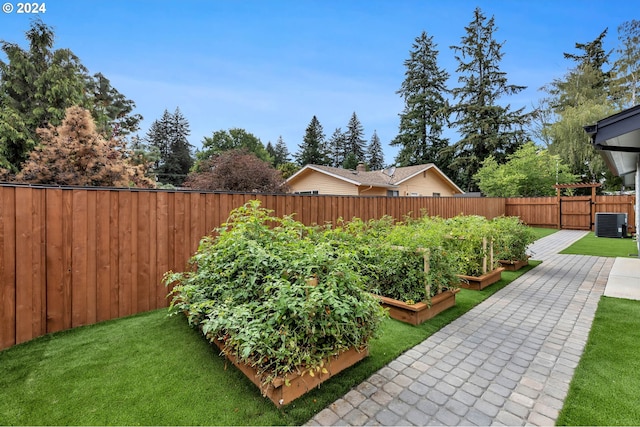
(151, 369)
(603, 246)
(605, 389)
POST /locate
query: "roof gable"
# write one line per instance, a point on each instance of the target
(375, 178)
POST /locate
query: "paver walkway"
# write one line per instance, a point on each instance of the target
(507, 361)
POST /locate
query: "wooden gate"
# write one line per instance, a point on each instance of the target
(576, 212)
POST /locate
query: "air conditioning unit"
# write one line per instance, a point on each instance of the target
(611, 224)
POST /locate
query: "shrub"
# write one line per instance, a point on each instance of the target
(251, 290)
(511, 238)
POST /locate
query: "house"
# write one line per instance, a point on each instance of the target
(617, 138)
(419, 180)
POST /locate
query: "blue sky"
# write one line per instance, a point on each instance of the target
(269, 66)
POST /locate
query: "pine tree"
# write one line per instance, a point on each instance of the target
(426, 111)
(354, 138)
(375, 157)
(312, 149)
(485, 127)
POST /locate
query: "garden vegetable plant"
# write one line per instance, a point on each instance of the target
(280, 296)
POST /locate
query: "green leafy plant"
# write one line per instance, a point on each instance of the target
(471, 237)
(279, 295)
(409, 262)
(511, 238)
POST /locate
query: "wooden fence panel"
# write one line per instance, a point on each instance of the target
(623, 204)
(8, 268)
(75, 256)
(535, 211)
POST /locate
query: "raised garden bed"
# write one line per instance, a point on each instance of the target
(480, 282)
(513, 265)
(420, 312)
(284, 390)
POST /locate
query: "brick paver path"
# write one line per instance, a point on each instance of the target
(507, 361)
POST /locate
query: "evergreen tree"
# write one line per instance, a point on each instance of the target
(580, 98)
(628, 64)
(375, 157)
(354, 138)
(75, 153)
(426, 111)
(169, 137)
(484, 126)
(338, 149)
(312, 149)
(38, 84)
(280, 153)
(594, 57)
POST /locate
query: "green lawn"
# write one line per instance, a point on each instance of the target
(605, 389)
(543, 232)
(151, 369)
(603, 246)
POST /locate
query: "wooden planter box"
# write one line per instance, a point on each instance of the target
(513, 265)
(280, 393)
(418, 313)
(480, 282)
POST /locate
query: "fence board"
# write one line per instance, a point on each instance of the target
(73, 256)
(103, 263)
(57, 305)
(79, 254)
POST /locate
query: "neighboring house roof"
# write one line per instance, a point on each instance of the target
(376, 178)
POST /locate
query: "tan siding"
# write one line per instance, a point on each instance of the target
(375, 191)
(426, 185)
(324, 184)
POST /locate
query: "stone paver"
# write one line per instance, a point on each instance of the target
(508, 361)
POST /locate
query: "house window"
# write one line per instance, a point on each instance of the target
(436, 194)
(393, 193)
(307, 192)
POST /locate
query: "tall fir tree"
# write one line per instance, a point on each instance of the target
(627, 65)
(354, 138)
(169, 136)
(279, 152)
(375, 156)
(313, 147)
(583, 96)
(39, 83)
(485, 127)
(338, 149)
(425, 107)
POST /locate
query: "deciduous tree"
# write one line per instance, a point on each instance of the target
(236, 170)
(528, 172)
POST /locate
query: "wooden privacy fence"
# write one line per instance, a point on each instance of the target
(77, 256)
(576, 212)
